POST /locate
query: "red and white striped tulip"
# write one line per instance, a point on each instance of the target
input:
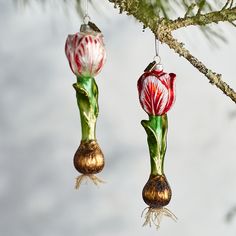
(156, 91)
(86, 53)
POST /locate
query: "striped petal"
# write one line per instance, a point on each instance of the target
(156, 92)
(86, 53)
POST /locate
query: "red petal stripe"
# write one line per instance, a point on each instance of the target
(156, 92)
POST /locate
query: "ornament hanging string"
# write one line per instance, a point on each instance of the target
(86, 18)
(156, 63)
(157, 46)
(157, 57)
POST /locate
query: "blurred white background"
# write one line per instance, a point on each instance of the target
(40, 130)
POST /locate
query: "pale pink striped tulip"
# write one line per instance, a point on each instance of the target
(86, 53)
(156, 92)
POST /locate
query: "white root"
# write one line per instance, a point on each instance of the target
(82, 178)
(154, 216)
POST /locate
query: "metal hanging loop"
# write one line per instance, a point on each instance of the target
(157, 59)
(86, 19)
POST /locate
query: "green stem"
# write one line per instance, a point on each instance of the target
(87, 100)
(156, 128)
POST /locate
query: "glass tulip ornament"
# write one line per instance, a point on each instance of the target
(156, 95)
(86, 55)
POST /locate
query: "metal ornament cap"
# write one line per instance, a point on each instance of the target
(158, 67)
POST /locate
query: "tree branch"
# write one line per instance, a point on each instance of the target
(162, 29)
(208, 18)
(213, 77)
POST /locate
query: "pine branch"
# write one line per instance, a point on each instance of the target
(201, 5)
(232, 23)
(162, 28)
(214, 78)
(190, 9)
(228, 15)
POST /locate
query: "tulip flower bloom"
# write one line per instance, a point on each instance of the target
(156, 92)
(86, 53)
(156, 95)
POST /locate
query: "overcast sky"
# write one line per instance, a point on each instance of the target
(40, 130)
